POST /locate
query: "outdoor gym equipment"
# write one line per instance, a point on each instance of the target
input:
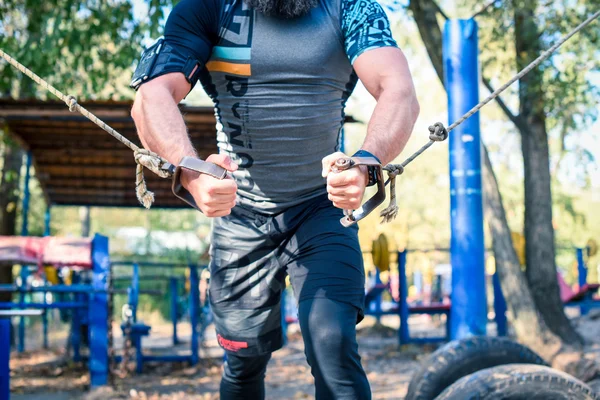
(86, 254)
(134, 330)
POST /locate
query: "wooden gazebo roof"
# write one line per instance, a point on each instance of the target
(77, 163)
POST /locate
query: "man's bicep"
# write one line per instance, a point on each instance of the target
(174, 83)
(383, 68)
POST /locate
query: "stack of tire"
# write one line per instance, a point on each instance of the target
(492, 368)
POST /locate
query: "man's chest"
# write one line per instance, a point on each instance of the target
(265, 50)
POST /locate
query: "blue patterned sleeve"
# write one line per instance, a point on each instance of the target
(365, 26)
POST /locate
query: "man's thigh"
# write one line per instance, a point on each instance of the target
(246, 283)
(325, 259)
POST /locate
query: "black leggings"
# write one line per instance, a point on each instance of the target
(329, 332)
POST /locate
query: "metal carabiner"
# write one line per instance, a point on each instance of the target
(345, 163)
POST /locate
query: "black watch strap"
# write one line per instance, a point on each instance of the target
(371, 170)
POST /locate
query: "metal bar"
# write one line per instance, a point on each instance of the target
(173, 290)
(21, 345)
(133, 292)
(284, 324)
(147, 277)
(76, 288)
(499, 306)
(403, 333)
(469, 306)
(98, 313)
(26, 195)
(19, 313)
(47, 220)
(378, 298)
(57, 305)
(5, 358)
(194, 311)
(124, 263)
(45, 322)
(581, 277)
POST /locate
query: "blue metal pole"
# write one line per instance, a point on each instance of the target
(76, 317)
(461, 72)
(47, 220)
(581, 277)
(45, 313)
(21, 344)
(134, 291)
(98, 312)
(378, 299)
(194, 310)
(403, 334)
(581, 269)
(174, 295)
(5, 358)
(45, 319)
(499, 306)
(25, 209)
(50, 306)
(283, 308)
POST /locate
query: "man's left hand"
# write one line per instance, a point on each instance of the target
(345, 188)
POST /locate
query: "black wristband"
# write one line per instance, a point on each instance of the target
(371, 171)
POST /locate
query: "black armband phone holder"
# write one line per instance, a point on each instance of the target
(162, 58)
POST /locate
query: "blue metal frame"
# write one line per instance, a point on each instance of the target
(403, 333)
(5, 326)
(139, 330)
(21, 344)
(98, 312)
(26, 196)
(174, 291)
(499, 307)
(461, 74)
(581, 268)
(194, 311)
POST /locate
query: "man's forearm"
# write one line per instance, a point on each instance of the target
(391, 124)
(160, 126)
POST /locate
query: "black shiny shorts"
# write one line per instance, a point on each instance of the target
(251, 255)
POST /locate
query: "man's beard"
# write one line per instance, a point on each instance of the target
(283, 8)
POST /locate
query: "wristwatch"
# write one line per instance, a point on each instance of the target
(371, 170)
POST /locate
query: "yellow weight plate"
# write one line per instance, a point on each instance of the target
(381, 253)
(51, 275)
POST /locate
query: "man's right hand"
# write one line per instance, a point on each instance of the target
(215, 197)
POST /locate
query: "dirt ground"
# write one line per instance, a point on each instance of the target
(48, 375)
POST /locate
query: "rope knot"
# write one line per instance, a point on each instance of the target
(71, 102)
(152, 161)
(394, 170)
(438, 132)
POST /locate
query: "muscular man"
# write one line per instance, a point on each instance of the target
(279, 73)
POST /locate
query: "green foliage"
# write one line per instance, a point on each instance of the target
(84, 47)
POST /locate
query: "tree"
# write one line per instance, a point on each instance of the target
(549, 333)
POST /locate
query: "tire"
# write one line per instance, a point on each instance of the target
(463, 357)
(518, 382)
